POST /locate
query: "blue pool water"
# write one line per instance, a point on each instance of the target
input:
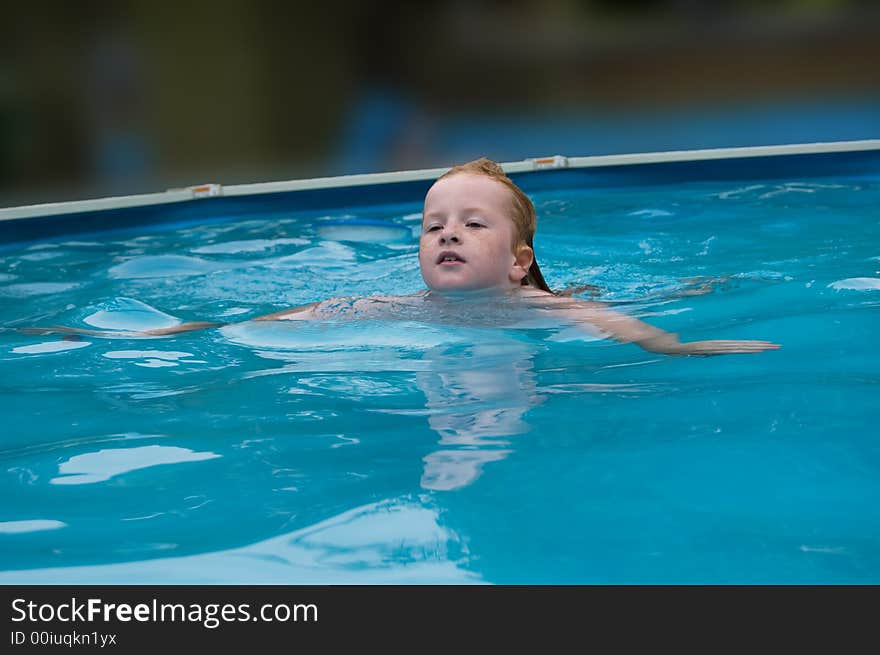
(427, 451)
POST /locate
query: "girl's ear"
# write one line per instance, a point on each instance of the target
(523, 259)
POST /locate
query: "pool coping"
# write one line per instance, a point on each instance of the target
(553, 162)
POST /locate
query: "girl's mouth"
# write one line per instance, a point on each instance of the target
(448, 258)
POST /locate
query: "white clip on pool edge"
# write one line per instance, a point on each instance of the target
(556, 161)
(206, 190)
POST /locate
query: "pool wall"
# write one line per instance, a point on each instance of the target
(213, 202)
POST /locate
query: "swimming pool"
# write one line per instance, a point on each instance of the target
(415, 452)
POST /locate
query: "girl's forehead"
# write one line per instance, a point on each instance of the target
(465, 189)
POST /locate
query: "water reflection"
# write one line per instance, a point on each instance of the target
(476, 398)
(476, 383)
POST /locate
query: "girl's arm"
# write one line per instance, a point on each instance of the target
(155, 332)
(306, 312)
(302, 313)
(627, 329)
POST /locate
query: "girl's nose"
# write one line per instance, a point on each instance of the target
(449, 236)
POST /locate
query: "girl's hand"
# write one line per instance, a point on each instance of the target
(722, 347)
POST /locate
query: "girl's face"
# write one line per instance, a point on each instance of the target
(467, 236)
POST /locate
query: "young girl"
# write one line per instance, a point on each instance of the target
(477, 259)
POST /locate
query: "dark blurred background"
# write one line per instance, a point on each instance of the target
(135, 96)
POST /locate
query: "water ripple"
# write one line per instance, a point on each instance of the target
(105, 464)
(150, 266)
(32, 525)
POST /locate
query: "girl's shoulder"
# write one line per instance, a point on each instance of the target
(540, 298)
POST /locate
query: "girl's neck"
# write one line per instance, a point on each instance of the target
(473, 294)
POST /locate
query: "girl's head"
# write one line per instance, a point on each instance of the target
(477, 231)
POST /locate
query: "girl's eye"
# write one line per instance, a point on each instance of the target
(474, 224)
(432, 228)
